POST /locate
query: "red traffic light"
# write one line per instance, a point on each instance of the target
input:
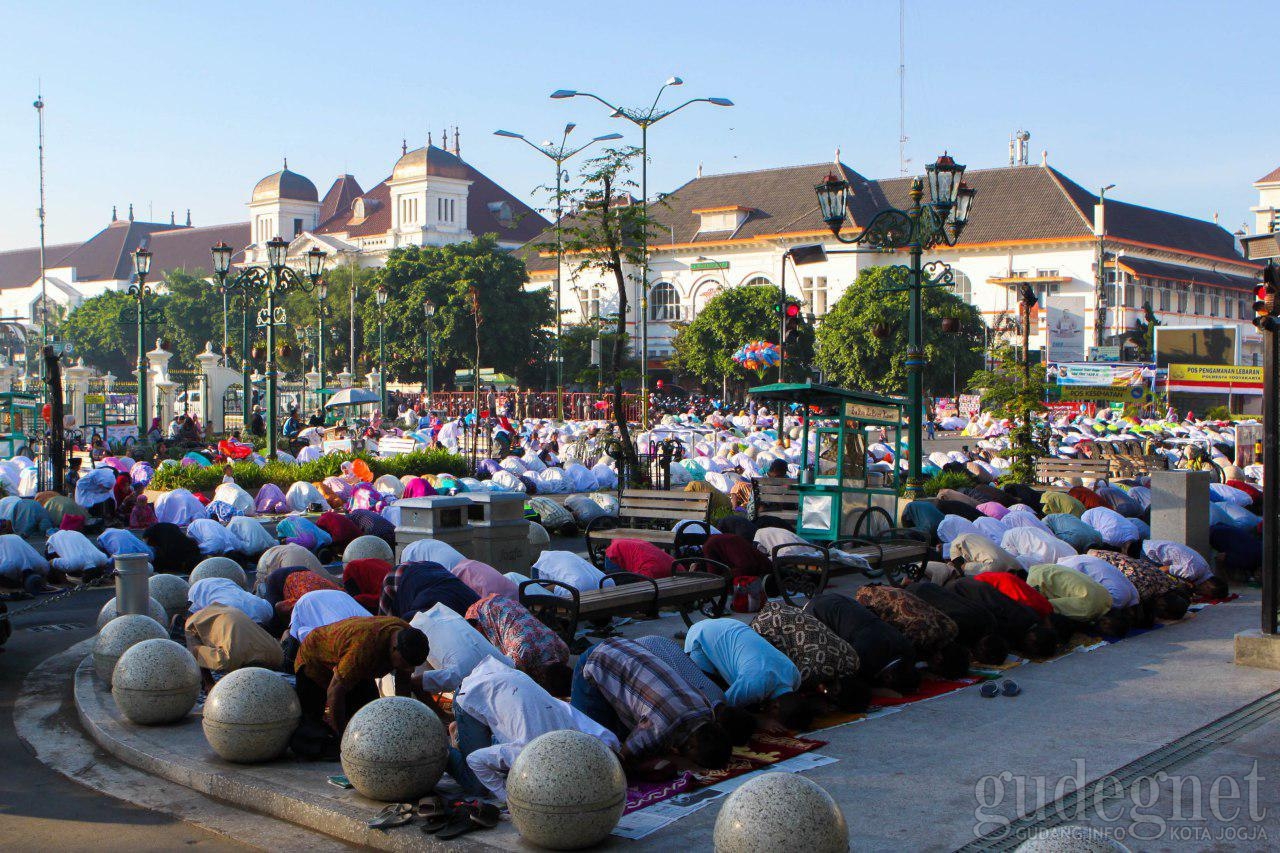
(793, 309)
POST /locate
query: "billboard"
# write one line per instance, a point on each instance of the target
(1197, 345)
(1065, 328)
(1098, 374)
(1215, 379)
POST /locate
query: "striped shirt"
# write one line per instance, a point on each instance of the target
(649, 697)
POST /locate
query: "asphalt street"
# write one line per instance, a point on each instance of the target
(39, 808)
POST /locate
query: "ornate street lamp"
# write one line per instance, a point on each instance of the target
(559, 154)
(315, 267)
(429, 312)
(644, 119)
(923, 226)
(382, 294)
(272, 280)
(140, 291)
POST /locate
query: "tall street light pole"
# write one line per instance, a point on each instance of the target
(273, 280)
(559, 154)
(923, 226)
(644, 119)
(322, 294)
(382, 294)
(140, 291)
(429, 313)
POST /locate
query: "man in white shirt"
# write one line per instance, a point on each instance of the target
(498, 710)
(569, 569)
(1116, 530)
(1184, 562)
(456, 649)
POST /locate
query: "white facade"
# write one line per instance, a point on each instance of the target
(1266, 215)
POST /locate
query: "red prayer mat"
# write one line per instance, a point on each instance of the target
(763, 750)
(929, 688)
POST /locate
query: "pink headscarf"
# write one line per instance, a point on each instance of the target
(994, 510)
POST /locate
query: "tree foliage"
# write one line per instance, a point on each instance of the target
(862, 342)
(576, 350)
(512, 330)
(704, 348)
(1010, 391)
(103, 331)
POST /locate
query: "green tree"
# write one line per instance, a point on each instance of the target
(576, 347)
(862, 342)
(513, 320)
(103, 331)
(303, 328)
(191, 307)
(704, 348)
(1010, 391)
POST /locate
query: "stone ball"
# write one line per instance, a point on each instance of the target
(154, 609)
(780, 811)
(118, 635)
(219, 567)
(171, 591)
(1071, 839)
(155, 681)
(250, 715)
(366, 548)
(394, 749)
(566, 791)
(538, 534)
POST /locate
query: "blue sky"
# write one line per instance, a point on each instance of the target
(169, 106)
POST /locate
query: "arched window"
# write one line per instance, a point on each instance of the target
(704, 292)
(757, 281)
(962, 286)
(664, 303)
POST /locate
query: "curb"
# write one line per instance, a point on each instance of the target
(346, 822)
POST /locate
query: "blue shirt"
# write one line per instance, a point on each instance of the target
(754, 669)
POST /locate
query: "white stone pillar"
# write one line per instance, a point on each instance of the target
(161, 402)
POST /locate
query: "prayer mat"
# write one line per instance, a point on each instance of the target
(929, 688)
(763, 750)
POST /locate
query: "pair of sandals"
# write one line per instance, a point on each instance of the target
(1006, 688)
(442, 818)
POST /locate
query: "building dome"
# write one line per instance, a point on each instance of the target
(285, 185)
(429, 161)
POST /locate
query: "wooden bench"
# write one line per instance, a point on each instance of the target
(1053, 468)
(392, 446)
(697, 585)
(652, 515)
(890, 555)
(775, 496)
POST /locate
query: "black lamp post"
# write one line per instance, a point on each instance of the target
(140, 291)
(382, 294)
(921, 227)
(273, 279)
(428, 313)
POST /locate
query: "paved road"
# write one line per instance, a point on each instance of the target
(41, 809)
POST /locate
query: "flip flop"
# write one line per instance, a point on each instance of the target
(989, 690)
(470, 816)
(1009, 688)
(396, 814)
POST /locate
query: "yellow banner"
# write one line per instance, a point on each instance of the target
(1221, 374)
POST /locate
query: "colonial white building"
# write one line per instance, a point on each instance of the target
(1266, 216)
(1029, 223)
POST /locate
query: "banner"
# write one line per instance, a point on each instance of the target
(1109, 394)
(970, 404)
(1111, 354)
(1215, 379)
(1098, 374)
(1065, 328)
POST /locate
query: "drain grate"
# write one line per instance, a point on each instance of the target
(1076, 805)
(56, 626)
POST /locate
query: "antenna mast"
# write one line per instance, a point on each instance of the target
(44, 302)
(902, 86)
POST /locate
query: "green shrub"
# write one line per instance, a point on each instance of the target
(949, 480)
(1218, 413)
(252, 477)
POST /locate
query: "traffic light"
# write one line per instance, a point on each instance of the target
(791, 322)
(1265, 314)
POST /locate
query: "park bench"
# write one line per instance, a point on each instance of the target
(1053, 468)
(696, 585)
(392, 446)
(775, 496)
(893, 554)
(652, 516)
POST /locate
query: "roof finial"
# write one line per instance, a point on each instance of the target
(445, 143)
(699, 170)
(404, 147)
(188, 217)
(113, 213)
(130, 211)
(457, 146)
(286, 163)
(428, 139)
(172, 219)
(837, 155)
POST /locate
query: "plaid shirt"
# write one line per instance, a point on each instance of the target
(518, 634)
(650, 699)
(1144, 574)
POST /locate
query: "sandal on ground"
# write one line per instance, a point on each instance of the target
(1010, 688)
(396, 814)
(989, 690)
(468, 817)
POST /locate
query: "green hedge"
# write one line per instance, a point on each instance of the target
(251, 477)
(949, 480)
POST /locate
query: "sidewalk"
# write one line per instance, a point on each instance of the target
(910, 780)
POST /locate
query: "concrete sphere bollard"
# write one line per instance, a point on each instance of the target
(156, 681)
(118, 635)
(1071, 839)
(171, 591)
(250, 715)
(539, 541)
(780, 811)
(219, 567)
(154, 610)
(368, 548)
(566, 790)
(394, 749)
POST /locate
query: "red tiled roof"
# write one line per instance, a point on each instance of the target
(21, 267)
(377, 215)
(109, 253)
(337, 200)
(188, 248)
(1270, 177)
